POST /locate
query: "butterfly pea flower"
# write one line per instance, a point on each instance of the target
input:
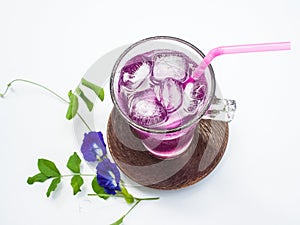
(108, 176)
(93, 147)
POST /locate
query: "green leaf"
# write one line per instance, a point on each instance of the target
(122, 218)
(101, 94)
(48, 168)
(76, 183)
(119, 221)
(37, 178)
(88, 102)
(53, 186)
(128, 197)
(73, 106)
(99, 91)
(98, 189)
(74, 163)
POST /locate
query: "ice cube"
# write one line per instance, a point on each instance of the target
(145, 109)
(169, 64)
(194, 96)
(170, 94)
(191, 106)
(135, 72)
(199, 90)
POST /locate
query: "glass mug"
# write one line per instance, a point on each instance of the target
(149, 89)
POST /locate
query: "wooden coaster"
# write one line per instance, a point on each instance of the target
(202, 156)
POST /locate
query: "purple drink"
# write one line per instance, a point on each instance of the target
(150, 91)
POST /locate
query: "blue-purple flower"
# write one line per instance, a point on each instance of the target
(93, 147)
(108, 176)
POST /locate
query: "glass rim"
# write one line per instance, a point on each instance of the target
(196, 119)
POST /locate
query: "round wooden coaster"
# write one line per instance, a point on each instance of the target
(202, 156)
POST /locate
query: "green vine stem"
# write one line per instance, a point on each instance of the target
(45, 88)
(138, 200)
(80, 174)
(121, 196)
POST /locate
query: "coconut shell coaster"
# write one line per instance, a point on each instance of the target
(202, 156)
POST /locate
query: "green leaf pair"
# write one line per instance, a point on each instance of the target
(49, 170)
(73, 104)
(74, 165)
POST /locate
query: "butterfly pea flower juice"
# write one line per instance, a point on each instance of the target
(149, 89)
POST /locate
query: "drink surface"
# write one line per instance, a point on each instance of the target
(151, 90)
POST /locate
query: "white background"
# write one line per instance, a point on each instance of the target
(55, 42)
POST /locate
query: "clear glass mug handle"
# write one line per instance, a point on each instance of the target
(221, 109)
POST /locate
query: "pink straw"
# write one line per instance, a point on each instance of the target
(277, 46)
